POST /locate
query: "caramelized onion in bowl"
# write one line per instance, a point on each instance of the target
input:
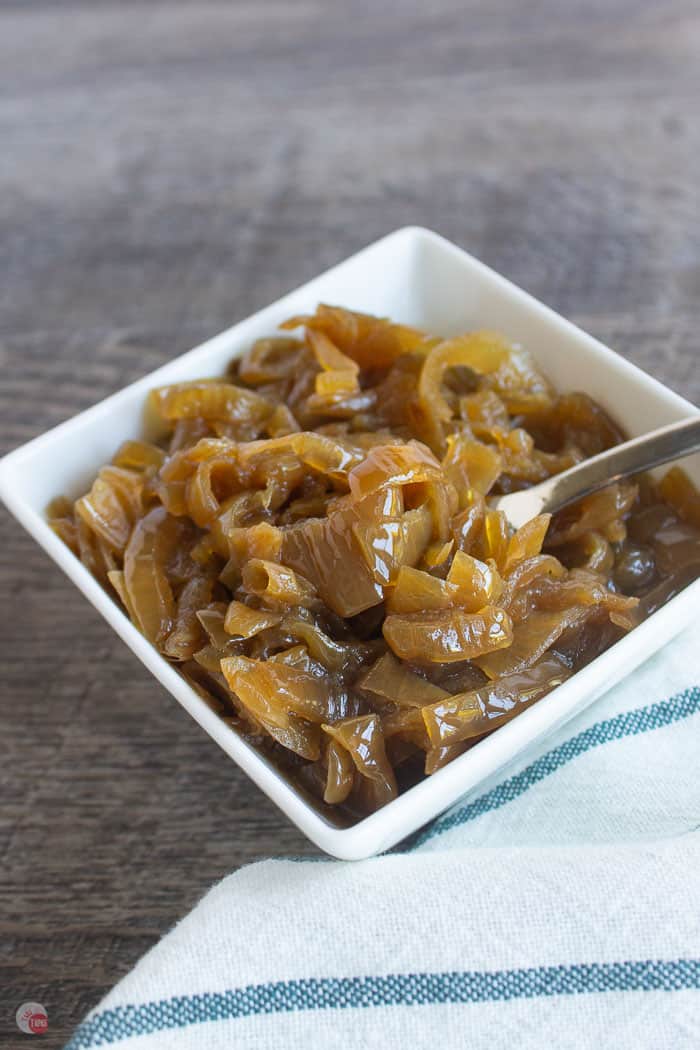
(311, 542)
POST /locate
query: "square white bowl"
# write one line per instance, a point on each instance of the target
(416, 277)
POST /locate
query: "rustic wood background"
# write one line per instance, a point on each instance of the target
(166, 169)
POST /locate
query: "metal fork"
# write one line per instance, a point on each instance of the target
(641, 453)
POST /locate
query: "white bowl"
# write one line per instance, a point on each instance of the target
(416, 277)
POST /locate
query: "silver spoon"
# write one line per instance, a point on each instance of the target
(641, 453)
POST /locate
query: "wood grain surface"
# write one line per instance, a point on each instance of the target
(168, 168)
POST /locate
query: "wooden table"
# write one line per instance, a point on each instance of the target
(166, 170)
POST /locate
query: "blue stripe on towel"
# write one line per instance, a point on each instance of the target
(403, 989)
(629, 723)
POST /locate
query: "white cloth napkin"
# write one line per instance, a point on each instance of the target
(561, 908)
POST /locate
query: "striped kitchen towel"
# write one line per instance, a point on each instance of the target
(560, 908)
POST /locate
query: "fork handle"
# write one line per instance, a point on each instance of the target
(641, 453)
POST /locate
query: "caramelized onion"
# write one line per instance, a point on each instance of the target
(469, 715)
(530, 640)
(313, 542)
(479, 351)
(186, 635)
(678, 490)
(363, 739)
(242, 621)
(276, 583)
(153, 540)
(273, 691)
(441, 637)
(340, 774)
(392, 680)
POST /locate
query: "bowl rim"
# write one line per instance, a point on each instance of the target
(427, 799)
